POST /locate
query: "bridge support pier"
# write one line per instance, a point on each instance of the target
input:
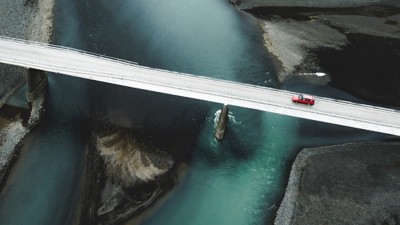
(222, 122)
(37, 81)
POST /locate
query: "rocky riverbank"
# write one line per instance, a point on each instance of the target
(24, 19)
(354, 183)
(357, 48)
(31, 20)
(125, 173)
(12, 131)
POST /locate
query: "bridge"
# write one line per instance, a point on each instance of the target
(67, 61)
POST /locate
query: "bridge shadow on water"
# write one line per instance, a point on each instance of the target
(172, 123)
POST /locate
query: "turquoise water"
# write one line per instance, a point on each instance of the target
(44, 184)
(236, 181)
(240, 180)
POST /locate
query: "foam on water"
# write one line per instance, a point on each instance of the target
(231, 117)
(318, 74)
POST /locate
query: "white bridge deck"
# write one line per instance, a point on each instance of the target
(86, 65)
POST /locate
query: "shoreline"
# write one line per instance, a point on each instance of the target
(24, 20)
(292, 42)
(29, 26)
(325, 190)
(351, 67)
(181, 171)
(109, 196)
(158, 202)
(308, 41)
(42, 24)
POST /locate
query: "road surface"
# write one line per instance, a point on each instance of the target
(86, 65)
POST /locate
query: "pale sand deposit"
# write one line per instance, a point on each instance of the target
(290, 41)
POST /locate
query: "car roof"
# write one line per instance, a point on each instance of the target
(308, 96)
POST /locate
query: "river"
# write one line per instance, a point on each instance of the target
(240, 180)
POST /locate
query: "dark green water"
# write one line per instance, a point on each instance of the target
(240, 180)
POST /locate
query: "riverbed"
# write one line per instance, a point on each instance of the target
(240, 180)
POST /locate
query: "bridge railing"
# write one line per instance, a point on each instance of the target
(334, 115)
(134, 64)
(70, 49)
(360, 105)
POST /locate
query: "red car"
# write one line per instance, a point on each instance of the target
(303, 99)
